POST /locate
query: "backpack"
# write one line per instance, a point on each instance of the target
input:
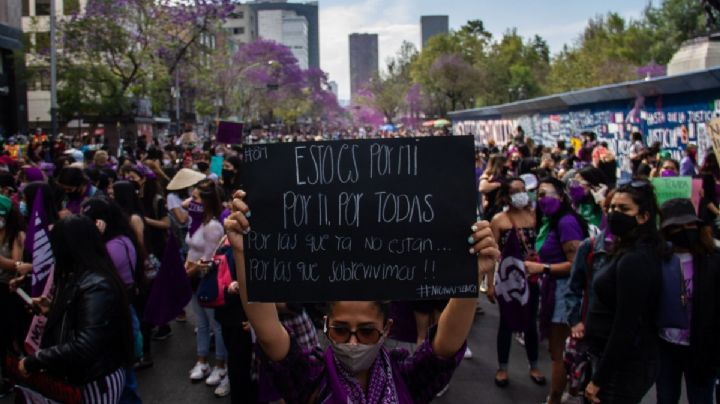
(211, 290)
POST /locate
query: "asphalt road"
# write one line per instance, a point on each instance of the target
(167, 382)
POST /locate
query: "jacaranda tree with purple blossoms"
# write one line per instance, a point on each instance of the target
(115, 52)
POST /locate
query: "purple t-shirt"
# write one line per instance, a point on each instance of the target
(122, 253)
(677, 335)
(570, 230)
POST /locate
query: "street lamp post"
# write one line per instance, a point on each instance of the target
(53, 72)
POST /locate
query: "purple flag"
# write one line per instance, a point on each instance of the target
(511, 285)
(229, 132)
(38, 242)
(171, 290)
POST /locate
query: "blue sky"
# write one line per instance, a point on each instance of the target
(558, 21)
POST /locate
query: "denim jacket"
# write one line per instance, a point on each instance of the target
(578, 276)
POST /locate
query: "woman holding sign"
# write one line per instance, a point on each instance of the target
(518, 300)
(357, 368)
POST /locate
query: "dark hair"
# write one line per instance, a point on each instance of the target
(497, 161)
(565, 207)
(72, 177)
(589, 134)
(637, 136)
(117, 224)
(383, 308)
(126, 196)
(49, 200)
(710, 165)
(503, 195)
(14, 224)
(78, 248)
(150, 193)
(236, 182)
(211, 200)
(674, 162)
(648, 233)
(594, 176)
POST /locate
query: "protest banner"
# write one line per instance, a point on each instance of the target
(667, 188)
(229, 132)
(361, 220)
(43, 260)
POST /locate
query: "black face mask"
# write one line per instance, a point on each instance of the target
(228, 176)
(621, 224)
(685, 238)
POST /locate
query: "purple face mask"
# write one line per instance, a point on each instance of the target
(549, 205)
(668, 173)
(577, 193)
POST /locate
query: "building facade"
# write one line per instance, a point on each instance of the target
(296, 28)
(288, 28)
(363, 60)
(431, 25)
(13, 102)
(241, 25)
(36, 31)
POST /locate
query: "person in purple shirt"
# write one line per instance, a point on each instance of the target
(121, 245)
(566, 230)
(357, 367)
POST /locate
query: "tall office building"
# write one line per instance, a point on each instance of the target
(287, 28)
(363, 60)
(13, 103)
(432, 25)
(296, 25)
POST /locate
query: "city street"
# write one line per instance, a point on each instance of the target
(167, 381)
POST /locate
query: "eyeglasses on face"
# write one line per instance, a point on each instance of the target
(341, 334)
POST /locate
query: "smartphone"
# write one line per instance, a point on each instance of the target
(24, 296)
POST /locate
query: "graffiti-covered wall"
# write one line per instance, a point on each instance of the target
(674, 120)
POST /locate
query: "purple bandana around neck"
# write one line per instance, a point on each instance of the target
(195, 211)
(345, 389)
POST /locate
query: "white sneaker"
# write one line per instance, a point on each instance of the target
(199, 372)
(216, 376)
(468, 353)
(224, 388)
(443, 391)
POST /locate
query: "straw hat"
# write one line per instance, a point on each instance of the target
(185, 178)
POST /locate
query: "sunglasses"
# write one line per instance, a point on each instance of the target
(634, 183)
(341, 334)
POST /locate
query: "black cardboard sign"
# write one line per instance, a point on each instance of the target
(385, 219)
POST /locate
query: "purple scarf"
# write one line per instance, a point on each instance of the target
(382, 389)
(195, 211)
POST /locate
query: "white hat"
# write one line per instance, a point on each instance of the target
(185, 178)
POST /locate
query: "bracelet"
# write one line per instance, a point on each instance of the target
(546, 268)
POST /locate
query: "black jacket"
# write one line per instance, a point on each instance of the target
(705, 320)
(621, 322)
(90, 338)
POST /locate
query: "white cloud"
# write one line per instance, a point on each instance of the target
(393, 24)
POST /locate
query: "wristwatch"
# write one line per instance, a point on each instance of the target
(546, 268)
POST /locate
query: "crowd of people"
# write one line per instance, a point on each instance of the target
(597, 257)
